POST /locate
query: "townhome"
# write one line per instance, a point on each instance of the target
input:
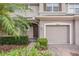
(58, 22)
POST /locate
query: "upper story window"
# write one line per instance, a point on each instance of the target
(49, 7)
(54, 7)
(76, 8)
(73, 8)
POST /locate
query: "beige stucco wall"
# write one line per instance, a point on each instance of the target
(30, 32)
(51, 20)
(77, 29)
(41, 7)
(33, 12)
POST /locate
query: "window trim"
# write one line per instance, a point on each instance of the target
(59, 23)
(73, 7)
(59, 7)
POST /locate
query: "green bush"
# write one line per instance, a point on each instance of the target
(33, 52)
(23, 52)
(46, 53)
(13, 40)
(42, 43)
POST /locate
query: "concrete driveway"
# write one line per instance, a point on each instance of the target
(64, 50)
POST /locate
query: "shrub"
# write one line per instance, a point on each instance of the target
(42, 43)
(26, 52)
(13, 40)
(33, 52)
(46, 53)
(23, 52)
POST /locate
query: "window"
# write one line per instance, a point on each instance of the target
(73, 8)
(49, 7)
(76, 8)
(53, 7)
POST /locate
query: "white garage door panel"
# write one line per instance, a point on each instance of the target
(57, 34)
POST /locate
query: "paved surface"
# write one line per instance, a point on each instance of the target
(31, 45)
(64, 50)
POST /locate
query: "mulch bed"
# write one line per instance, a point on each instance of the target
(7, 48)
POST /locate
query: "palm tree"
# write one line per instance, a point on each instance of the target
(13, 26)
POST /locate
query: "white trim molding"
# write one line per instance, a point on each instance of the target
(59, 23)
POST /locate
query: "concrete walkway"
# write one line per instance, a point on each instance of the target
(64, 50)
(31, 45)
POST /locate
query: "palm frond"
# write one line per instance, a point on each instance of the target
(10, 25)
(22, 23)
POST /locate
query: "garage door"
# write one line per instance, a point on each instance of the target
(57, 34)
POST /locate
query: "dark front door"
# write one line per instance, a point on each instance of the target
(35, 31)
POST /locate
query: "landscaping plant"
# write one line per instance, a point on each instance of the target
(14, 41)
(41, 43)
(14, 26)
(26, 52)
